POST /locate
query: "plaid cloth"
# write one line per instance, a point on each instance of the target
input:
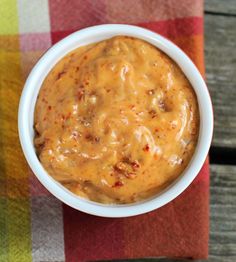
(34, 225)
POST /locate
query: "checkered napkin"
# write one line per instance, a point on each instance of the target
(34, 225)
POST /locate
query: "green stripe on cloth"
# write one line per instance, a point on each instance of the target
(19, 230)
(3, 231)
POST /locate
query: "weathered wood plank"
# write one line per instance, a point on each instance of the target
(221, 6)
(220, 58)
(223, 214)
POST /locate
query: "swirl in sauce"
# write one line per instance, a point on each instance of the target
(116, 121)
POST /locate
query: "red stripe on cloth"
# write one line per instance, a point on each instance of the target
(169, 231)
(176, 28)
(82, 13)
(91, 238)
(170, 28)
(36, 188)
(76, 14)
(139, 11)
(57, 36)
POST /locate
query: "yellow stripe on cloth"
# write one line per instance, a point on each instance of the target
(8, 17)
(15, 221)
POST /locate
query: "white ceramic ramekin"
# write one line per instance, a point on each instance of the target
(91, 35)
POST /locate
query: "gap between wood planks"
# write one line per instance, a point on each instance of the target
(222, 155)
(218, 13)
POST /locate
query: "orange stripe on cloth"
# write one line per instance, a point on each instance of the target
(16, 205)
(9, 42)
(193, 47)
(170, 28)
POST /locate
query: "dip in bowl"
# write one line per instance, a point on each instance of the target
(115, 120)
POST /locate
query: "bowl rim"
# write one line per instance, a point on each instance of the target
(98, 33)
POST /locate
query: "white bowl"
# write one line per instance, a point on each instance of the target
(91, 35)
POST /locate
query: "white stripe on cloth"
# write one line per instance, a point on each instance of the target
(47, 229)
(33, 16)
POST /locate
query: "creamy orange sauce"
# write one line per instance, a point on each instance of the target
(116, 121)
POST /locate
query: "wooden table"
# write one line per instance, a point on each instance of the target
(220, 58)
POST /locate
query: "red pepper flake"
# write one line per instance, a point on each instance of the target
(108, 90)
(77, 69)
(156, 130)
(96, 139)
(44, 119)
(118, 184)
(153, 113)
(146, 148)
(49, 107)
(89, 137)
(85, 57)
(135, 165)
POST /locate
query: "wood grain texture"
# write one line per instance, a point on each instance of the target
(220, 58)
(223, 214)
(221, 6)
